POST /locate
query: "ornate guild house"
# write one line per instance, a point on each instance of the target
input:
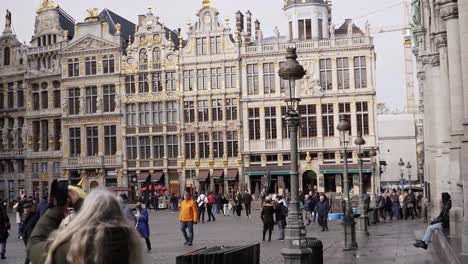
(106, 102)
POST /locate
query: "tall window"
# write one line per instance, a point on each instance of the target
(92, 141)
(290, 30)
(231, 109)
(342, 69)
(204, 145)
(44, 167)
(36, 130)
(171, 112)
(218, 145)
(230, 75)
(35, 168)
(131, 115)
(73, 67)
(188, 80)
(325, 74)
(143, 60)
(203, 111)
(74, 101)
(189, 112)
(130, 84)
(328, 126)
(6, 56)
(156, 58)
(360, 72)
(170, 81)
(132, 148)
(284, 123)
(158, 113)
(215, 44)
(202, 79)
(304, 29)
(110, 140)
(190, 146)
(145, 148)
(35, 99)
(158, 147)
(109, 97)
(144, 112)
(90, 65)
(270, 122)
(172, 146)
(2, 98)
(344, 109)
(254, 123)
(362, 114)
(108, 64)
(91, 99)
(20, 94)
(320, 28)
(143, 86)
(232, 145)
(44, 135)
(157, 82)
(217, 109)
(202, 46)
(10, 95)
(269, 78)
(57, 134)
(308, 120)
(252, 78)
(44, 100)
(56, 97)
(216, 78)
(75, 144)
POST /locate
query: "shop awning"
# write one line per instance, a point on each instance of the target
(218, 174)
(232, 174)
(338, 168)
(261, 171)
(143, 176)
(156, 176)
(203, 175)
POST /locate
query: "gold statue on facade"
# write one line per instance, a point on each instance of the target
(46, 4)
(93, 15)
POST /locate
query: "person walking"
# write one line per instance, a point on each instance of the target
(225, 203)
(323, 209)
(395, 206)
(281, 212)
(202, 200)
(238, 204)
(389, 205)
(402, 199)
(141, 216)
(247, 200)
(4, 227)
(381, 206)
(308, 208)
(30, 218)
(188, 217)
(18, 217)
(316, 202)
(100, 233)
(210, 207)
(217, 206)
(410, 201)
(418, 204)
(174, 202)
(154, 201)
(268, 210)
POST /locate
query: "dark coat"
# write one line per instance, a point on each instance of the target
(4, 224)
(280, 214)
(323, 208)
(444, 214)
(42, 207)
(247, 198)
(29, 222)
(309, 205)
(316, 202)
(142, 223)
(223, 199)
(267, 215)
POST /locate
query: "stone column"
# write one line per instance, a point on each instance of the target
(463, 21)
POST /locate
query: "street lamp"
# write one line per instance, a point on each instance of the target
(408, 166)
(348, 221)
(295, 252)
(372, 155)
(402, 165)
(361, 225)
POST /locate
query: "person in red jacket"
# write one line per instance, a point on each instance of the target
(209, 205)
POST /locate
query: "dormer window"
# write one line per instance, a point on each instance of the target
(90, 65)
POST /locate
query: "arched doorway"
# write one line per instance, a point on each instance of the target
(94, 184)
(309, 181)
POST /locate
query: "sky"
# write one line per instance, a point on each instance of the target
(175, 14)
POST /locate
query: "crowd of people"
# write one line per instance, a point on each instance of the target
(397, 204)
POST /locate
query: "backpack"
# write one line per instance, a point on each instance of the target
(201, 200)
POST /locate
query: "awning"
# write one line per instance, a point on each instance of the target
(338, 168)
(232, 174)
(142, 176)
(273, 170)
(203, 175)
(217, 174)
(156, 176)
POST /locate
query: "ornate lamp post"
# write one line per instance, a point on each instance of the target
(408, 167)
(295, 231)
(348, 221)
(361, 225)
(401, 163)
(372, 155)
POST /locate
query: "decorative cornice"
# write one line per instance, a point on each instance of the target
(449, 10)
(432, 59)
(440, 39)
(421, 75)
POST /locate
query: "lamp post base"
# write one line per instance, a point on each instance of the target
(296, 255)
(350, 235)
(361, 226)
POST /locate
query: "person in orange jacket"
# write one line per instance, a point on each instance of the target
(188, 216)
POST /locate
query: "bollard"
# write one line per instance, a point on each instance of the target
(317, 250)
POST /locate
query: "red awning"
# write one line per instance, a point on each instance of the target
(232, 174)
(156, 176)
(142, 176)
(203, 175)
(218, 174)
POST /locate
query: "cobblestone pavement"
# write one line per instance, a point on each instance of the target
(390, 242)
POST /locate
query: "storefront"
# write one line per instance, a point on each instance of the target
(333, 177)
(274, 179)
(232, 178)
(218, 180)
(174, 187)
(203, 179)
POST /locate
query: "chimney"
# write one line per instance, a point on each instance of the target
(239, 24)
(248, 37)
(257, 29)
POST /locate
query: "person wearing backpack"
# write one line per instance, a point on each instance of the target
(202, 200)
(209, 204)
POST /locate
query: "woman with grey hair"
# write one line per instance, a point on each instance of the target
(100, 233)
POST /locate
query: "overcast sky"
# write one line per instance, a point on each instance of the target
(175, 13)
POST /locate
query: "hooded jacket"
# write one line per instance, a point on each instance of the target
(444, 214)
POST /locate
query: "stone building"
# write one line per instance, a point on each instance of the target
(340, 81)
(440, 30)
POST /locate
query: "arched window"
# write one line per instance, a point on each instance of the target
(156, 58)
(6, 56)
(143, 60)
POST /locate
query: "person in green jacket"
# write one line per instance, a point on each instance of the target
(99, 233)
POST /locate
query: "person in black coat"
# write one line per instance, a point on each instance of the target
(30, 218)
(4, 227)
(268, 210)
(247, 200)
(323, 209)
(280, 215)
